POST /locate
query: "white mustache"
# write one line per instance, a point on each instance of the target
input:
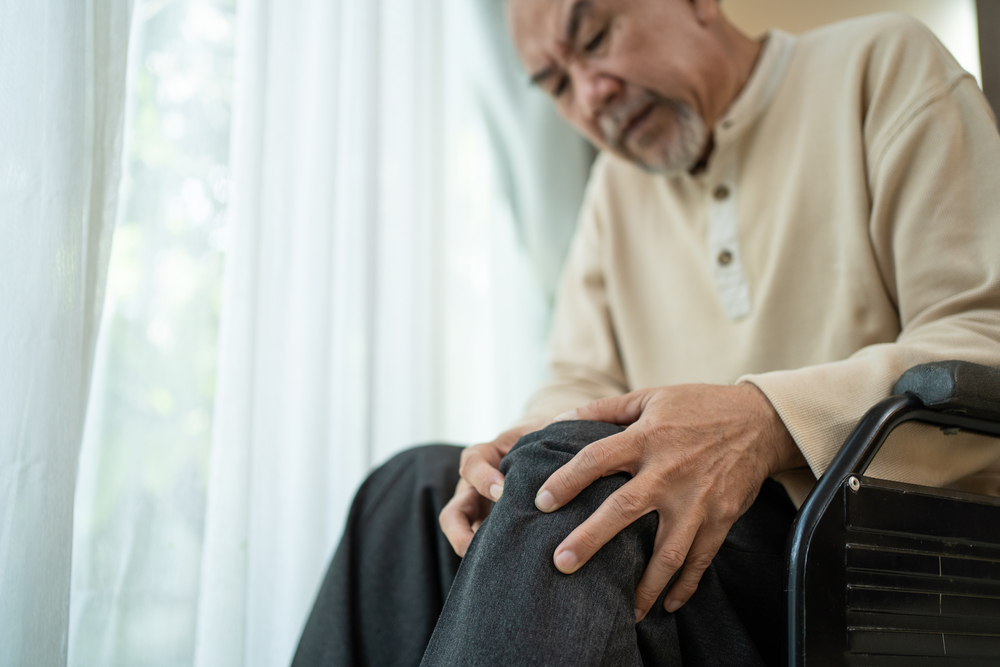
(613, 121)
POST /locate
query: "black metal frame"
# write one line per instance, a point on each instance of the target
(988, 14)
(841, 480)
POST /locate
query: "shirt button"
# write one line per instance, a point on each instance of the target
(721, 193)
(725, 258)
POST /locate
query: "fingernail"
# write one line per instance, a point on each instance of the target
(566, 561)
(544, 501)
(638, 615)
(496, 491)
(565, 416)
(672, 605)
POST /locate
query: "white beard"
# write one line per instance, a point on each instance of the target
(681, 152)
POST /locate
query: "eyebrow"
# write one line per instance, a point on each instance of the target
(580, 7)
(542, 75)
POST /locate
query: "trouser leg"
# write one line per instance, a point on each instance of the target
(392, 571)
(388, 580)
(509, 605)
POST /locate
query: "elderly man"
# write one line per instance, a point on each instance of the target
(791, 223)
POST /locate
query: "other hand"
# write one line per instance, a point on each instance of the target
(698, 455)
(481, 484)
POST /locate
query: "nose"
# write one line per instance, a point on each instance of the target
(594, 89)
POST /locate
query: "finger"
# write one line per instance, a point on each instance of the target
(456, 527)
(669, 555)
(598, 459)
(483, 510)
(615, 514)
(479, 467)
(458, 516)
(624, 409)
(699, 558)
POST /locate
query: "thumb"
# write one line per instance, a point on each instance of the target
(624, 409)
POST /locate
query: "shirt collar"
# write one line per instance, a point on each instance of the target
(766, 77)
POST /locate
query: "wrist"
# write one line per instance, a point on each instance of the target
(785, 454)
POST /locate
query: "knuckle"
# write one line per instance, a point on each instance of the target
(730, 512)
(587, 538)
(670, 558)
(593, 457)
(449, 507)
(643, 437)
(465, 461)
(686, 459)
(626, 505)
(696, 564)
(723, 511)
(684, 590)
(645, 597)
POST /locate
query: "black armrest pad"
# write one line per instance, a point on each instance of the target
(955, 386)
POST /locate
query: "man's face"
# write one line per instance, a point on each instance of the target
(634, 76)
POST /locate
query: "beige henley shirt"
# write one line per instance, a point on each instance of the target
(847, 227)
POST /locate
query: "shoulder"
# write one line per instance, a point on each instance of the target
(883, 47)
(889, 67)
(870, 28)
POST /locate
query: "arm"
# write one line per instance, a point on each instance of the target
(935, 230)
(583, 355)
(697, 454)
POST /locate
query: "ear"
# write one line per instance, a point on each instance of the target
(706, 11)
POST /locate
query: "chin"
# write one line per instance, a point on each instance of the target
(675, 148)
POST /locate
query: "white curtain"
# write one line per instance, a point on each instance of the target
(62, 85)
(377, 290)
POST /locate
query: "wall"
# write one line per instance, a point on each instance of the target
(953, 21)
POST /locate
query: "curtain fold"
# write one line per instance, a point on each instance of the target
(377, 290)
(62, 86)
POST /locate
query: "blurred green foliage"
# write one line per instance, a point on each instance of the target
(138, 549)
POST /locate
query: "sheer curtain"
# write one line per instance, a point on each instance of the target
(140, 502)
(399, 205)
(377, 293)
(62, 85)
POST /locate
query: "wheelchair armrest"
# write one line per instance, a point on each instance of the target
(952, 395)
(957, 387)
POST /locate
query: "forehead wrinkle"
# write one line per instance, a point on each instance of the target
(580, 7)
(562, 46)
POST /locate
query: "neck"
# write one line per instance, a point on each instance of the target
(740, 54)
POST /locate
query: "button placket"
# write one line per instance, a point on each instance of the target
(723, 243)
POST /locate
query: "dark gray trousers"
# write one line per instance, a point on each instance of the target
(395, 594)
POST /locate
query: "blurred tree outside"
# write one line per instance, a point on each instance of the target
(141, 497)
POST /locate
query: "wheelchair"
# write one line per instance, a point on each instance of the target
(883, 574)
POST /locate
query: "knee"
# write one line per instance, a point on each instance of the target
(557, 443)
(516, 521)
(410, 476)
(420, 458)
(537, 455)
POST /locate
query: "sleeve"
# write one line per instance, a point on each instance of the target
(935, 232)
(584, 363)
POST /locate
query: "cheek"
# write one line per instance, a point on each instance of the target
(655, 59)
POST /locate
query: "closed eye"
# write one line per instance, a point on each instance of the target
(596, 41)
(561, 86)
